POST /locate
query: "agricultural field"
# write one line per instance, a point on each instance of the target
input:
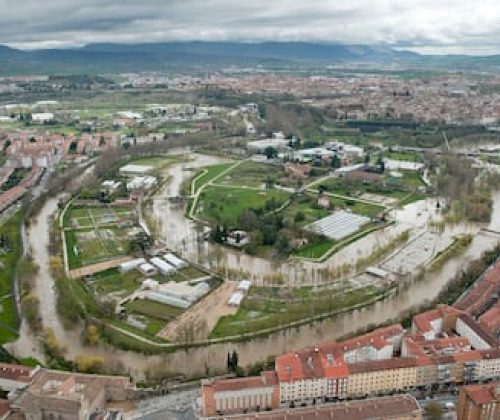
(93, 217)
(91, 246)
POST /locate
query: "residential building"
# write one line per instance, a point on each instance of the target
(479, 402)
(241, 394)
(397, 407)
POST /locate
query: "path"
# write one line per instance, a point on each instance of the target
(95, 268)
(209, 310)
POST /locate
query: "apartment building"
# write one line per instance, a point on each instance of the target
(382, 376)
(479, 402)
(445, 346)
(397, 407)
(312, 373)
(241, 394)
(378, 345)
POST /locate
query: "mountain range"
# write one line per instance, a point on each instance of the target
(117, 58)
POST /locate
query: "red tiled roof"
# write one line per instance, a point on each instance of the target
(374, 365)
(377, 338)
(15, 372)
(238, 383)
(321, 361)
(482, 394)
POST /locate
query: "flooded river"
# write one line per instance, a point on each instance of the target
(185, 236)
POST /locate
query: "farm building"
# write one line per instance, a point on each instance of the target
(162, 266)
(184, 291)
(167, 299)
(175, 261)
(244, 285)
(148, 269)
(235, 299)
(131, 265)
(339, 225)
(150, 284)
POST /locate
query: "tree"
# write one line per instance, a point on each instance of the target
(234, 360)
(335, 161)
(270, 152)
(434, 411)
(73, 147)
(141, 242)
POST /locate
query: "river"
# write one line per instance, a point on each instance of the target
(185, 236)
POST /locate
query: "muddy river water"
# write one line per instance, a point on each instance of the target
(185, 236)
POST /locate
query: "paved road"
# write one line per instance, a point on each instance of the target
(181, 405)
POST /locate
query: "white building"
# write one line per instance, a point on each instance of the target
(244, 285)
(162, 266)
(42, 117)
(175, 261)
(148, 269)
(131, 265)
(235, 299)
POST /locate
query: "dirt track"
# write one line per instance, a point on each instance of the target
(96, 268)
(199, 320)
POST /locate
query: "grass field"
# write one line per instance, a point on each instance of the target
(315, 250)
(306, 205)
(258, 313)
(404, 156)
(251, 174)
(398, 190)
(224, 205)
(112, 281)
(154, 309)
(211, 173)
(9, 257)
(357, 207)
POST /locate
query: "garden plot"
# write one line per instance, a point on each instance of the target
(87, 247)
(93, 217)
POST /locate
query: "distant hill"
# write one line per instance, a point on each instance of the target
(116, 58)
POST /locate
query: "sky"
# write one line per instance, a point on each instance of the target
(427, 26)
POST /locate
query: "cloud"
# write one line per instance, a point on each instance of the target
(425, 25)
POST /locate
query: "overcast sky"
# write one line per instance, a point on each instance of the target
(434, 26)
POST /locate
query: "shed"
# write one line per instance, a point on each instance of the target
(235, 299)
(244, 285)
(148, 269)
(175, 261)
(131, 265)
(162, 266)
